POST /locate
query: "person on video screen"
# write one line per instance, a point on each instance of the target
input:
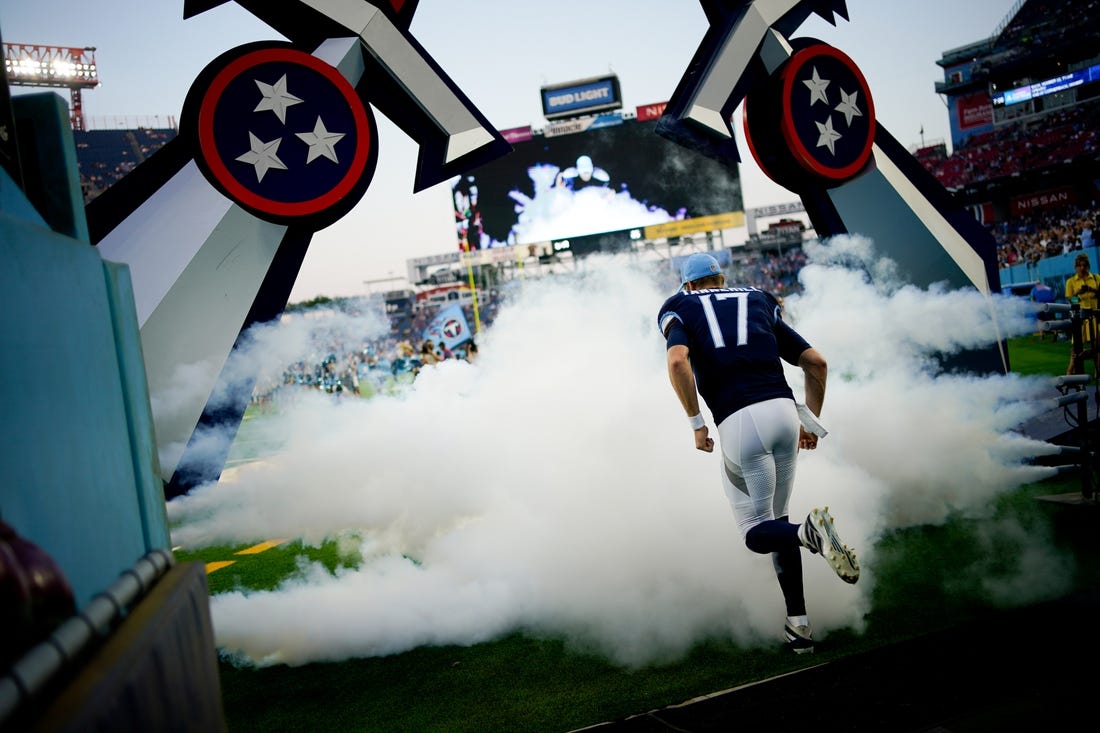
(583, 175)
(468, 214)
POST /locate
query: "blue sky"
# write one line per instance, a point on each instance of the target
(499, 52)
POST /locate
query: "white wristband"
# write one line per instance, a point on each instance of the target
(697, 421)
(809, 421)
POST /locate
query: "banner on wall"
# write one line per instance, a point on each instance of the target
(974, 110)
(983, 212)
(1052, 198)
(650, 111)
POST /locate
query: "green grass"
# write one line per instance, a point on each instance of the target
(526, 683)
(533, 684)
(263, 571)
(1038, 355)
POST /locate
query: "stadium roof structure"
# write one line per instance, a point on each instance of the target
(1036, 40)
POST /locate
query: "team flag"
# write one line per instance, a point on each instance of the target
(449, 326)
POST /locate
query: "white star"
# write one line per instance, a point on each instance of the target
(828, 134)
(848, 106)
(276, 98)
(262, 156)
(321, 142)
(817, 88)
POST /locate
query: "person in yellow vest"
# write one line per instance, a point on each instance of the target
(1082, 287)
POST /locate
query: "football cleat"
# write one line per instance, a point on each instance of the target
(800, 639)
(818, 535)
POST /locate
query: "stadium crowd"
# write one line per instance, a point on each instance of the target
(361, 368)
(1047, 233)
(1056, 138)
(776, 272)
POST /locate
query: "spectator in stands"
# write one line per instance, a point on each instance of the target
(427, 354)
(350, 379)
(404, 361)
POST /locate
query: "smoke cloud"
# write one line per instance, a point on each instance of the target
(555, 213)
(553, 486)
(257, 361)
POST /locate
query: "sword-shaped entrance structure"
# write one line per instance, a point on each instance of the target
(277, 141)
(810, 124)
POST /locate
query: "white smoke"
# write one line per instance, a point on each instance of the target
(256, 363)
(553, 486)
(177, 400)
(555, 213)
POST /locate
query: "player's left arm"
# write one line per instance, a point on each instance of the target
(795, 350)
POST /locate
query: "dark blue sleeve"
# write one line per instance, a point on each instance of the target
(677, 335)
(790, 343)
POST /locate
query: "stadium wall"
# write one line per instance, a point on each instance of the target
(80, 475)
(81, 480)
(1052, 270)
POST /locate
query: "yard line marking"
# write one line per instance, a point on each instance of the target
(255, 549)
(212, 566)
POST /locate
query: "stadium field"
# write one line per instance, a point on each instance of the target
(525, 683)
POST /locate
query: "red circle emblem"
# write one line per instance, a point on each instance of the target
(282, 133)
(828, 116)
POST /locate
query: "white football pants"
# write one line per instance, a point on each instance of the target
(759, 445)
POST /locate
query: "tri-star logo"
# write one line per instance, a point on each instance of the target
(405, 83)
(283, 134)
(729, 65)
(828, 117)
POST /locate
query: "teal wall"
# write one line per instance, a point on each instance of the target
(78, 466)
(1052, 270)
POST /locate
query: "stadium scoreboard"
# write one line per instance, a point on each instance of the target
(1046, 86)
(543, 190)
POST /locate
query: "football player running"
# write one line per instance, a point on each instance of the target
(725, 344)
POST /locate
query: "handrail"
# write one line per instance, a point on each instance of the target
(1008, 18)
(40, 665)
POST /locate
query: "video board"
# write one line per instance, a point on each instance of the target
(614, 177)
(1047, 86)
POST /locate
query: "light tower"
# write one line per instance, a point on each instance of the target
(34, 65)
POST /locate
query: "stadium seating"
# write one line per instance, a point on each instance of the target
(105, 156)
(1057, 138)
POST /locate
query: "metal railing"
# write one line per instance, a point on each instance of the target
(35, 672)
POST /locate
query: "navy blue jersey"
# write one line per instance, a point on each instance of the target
(735, 339)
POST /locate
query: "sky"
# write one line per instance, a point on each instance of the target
(500, 53)
(553, 487)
